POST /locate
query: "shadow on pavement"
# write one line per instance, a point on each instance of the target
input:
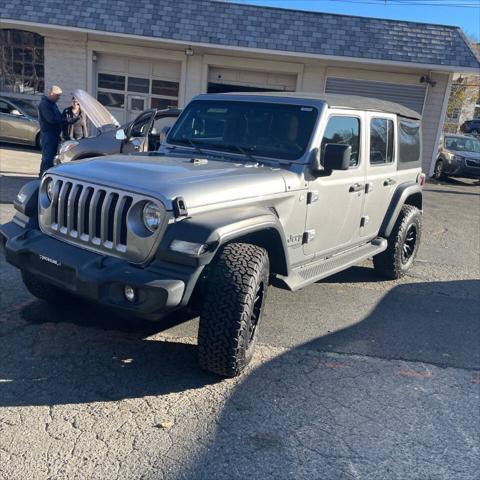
(48, 361)
(455, 181)
(306, 415)
(19, 147)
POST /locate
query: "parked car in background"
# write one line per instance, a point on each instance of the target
(458, 156)
(145, 133)
(471, 126)
(19, 121)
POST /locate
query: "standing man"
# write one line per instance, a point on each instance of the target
(50, 126)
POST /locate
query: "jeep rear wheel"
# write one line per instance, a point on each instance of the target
(43, 290)
(403, 244)
(232, 308)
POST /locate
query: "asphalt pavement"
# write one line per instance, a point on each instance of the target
(354, 377)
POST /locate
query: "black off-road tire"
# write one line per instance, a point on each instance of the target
(438, 172)
(232, 308)
(403, 244)
(45, 291)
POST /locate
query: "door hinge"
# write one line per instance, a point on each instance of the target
(308, 236)
(179, 207)
(312, 197)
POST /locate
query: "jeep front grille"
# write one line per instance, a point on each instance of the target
(97, 218)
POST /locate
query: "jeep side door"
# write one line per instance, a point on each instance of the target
(382, 173)
(335, 201)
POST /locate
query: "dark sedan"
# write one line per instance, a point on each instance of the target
(458, 156)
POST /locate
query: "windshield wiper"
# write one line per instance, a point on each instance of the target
(242, 151)
(195, 146)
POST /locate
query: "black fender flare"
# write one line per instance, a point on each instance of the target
(407, 193)
(259, 225)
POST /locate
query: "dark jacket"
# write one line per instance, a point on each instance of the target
(74, 126)
(50, 118)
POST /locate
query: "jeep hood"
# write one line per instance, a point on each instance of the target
(94, 110)
(165, 178)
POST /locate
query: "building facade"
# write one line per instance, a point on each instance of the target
(155, 54)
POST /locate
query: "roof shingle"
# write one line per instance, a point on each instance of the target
(230, 24)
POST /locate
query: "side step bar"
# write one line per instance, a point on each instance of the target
(306, 274)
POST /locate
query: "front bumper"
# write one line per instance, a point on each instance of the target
(467, 169)
(160, 287)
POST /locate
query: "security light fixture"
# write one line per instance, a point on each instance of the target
(427, 79)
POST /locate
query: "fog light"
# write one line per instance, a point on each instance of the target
(130, 293)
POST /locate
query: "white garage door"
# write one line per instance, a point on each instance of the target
(127, 86)
(411, 96)
(222, 80)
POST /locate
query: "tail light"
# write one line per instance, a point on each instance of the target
(421, 179)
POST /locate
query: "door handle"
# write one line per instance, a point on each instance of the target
(356, 187)
(388, 182)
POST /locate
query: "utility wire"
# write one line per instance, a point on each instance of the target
(430, 3)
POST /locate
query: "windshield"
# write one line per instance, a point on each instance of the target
(461, 144)
(30, 108)
(266, 129)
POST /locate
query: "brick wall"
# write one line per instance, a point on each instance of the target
(66, 66)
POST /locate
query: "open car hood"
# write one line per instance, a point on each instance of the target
(95, 111)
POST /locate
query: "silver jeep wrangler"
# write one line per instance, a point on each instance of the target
(245, 187)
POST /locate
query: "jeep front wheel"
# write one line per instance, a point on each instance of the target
(232, 308)
(403, 244)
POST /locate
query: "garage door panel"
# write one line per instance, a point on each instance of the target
(252, 78)
(127, 85)
(167, 70)
(111, 63)
(139, 67)
(411, 96)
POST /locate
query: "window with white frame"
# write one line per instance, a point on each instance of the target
(136, 93)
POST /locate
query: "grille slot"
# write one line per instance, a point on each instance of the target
(93, 215)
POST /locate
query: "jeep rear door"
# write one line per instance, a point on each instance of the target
(335, 201)
(382, 172)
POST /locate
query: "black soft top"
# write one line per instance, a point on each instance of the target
(353, 102)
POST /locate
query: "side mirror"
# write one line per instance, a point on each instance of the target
(337, 157)
(16, 113)
(120, 134)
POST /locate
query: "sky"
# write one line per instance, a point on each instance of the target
(462, 13)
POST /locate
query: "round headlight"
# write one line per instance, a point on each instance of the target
(152, 216)
(49, 189)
